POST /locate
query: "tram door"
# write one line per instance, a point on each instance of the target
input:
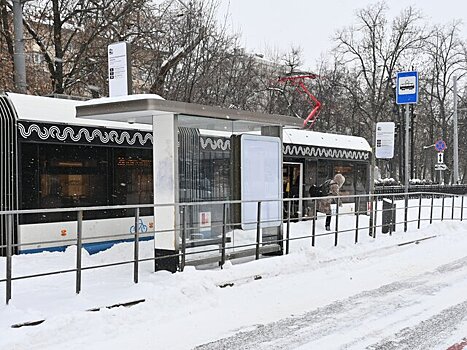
(292, 175)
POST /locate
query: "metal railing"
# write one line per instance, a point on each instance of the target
(218, 249)
(459, 189)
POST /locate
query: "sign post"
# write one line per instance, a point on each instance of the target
(440, 146)
(406, 93)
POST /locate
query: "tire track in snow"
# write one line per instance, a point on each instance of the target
(368, 306)
(421, 335)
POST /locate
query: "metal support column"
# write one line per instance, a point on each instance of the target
(136, 248)
(455, 133)
(406, 165)
(79, 246)
(9, 253)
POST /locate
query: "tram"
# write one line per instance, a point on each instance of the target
(51, 159)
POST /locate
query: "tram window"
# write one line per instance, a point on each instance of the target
(133, 178)
(346, 169)
(311, 177)
(55, 176)
(29, 176)
(360, 179)
(325, 170)
(72, 176)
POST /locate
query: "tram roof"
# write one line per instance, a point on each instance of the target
(57, 110)
(141, 109)
(321, 139)
(311, 138)
(54, 110)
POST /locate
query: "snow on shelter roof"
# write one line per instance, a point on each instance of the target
(321, 139)
(309, 138)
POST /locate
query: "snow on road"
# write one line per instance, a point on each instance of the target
(377, 294)
(411, 314)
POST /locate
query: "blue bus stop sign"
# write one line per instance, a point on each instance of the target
(406, 87)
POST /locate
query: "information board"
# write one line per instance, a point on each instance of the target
(261, 171)
(385, 140)
(119, 69)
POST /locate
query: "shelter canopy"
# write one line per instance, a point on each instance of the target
(142, 108)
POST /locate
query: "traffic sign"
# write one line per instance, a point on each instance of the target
(440, 167)
(440, 157)
(440, 145)
(406, 87)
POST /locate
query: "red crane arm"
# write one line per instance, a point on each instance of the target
(298, 81)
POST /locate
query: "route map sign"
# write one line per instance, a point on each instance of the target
(119, 69)
(406, 87)
(385, 140)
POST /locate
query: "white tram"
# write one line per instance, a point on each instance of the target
(51, 159)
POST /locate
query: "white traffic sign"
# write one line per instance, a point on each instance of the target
(407, 87)
(385, 140)
(440, 167)
(440, 157)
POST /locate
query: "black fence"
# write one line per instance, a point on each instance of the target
(379, 209)
(447, 189)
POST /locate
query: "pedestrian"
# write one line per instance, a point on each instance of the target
(330, 187)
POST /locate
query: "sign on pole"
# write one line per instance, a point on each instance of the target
(385, 140)
(406, 93)
(440, 145)
(407, 87)
(440, 157)
(119, 69)
(441, 167)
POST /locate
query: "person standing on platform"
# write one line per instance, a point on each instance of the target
(330, 187)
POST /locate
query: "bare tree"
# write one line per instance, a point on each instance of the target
(63, 30)
(373, 50)
(185, 28)
(445, 58)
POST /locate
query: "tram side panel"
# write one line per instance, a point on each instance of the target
(63, 167)
(307, 165)
(8, 174)
(71, 166)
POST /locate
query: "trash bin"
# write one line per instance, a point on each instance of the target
(389, 216)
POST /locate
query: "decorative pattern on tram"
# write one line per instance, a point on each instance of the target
(67, 133)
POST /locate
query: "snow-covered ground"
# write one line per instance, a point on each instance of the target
(377, 294)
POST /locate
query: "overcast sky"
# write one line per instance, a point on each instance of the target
(279, 24)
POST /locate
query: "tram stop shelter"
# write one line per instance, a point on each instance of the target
(166, 117)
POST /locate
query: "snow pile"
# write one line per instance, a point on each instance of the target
(183, 310)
